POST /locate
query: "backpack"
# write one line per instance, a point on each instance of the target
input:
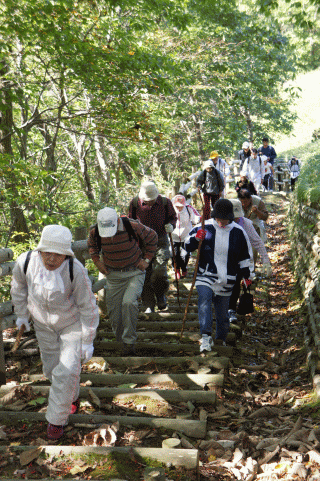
(26, 263)
(128, 227)
(218, 178)
(135, 205)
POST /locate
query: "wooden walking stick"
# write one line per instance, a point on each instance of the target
(175, 268)
(194, 274)
(18, 338)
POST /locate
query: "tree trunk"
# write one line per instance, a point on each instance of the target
(18, 221)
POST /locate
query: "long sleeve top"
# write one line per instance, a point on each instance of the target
(119, 252)
(269, 152)
(224, 253)
(211, 182)
(254, 238)
(155, 216)
(253, 168)
(55, 309)
(188, 216)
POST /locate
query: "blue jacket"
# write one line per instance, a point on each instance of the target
(225, 252)
(269, 152)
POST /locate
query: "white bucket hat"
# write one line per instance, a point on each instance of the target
(57, 239)
(148, 191)
(237, 208)
(208, 163)
(107, 220)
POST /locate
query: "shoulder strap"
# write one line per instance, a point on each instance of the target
(188, 211)
(165, 204)
(26, 263)
(98, 237)
(128, 227)
(134, 206)
(71, 268)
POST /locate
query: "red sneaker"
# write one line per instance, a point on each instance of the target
(54, 432)
(75, 406)
(178, 274)
(184, 273)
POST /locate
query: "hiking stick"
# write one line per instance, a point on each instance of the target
(194, 274)
(18, 338)
(175, 268)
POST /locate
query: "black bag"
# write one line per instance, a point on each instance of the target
(245, 302)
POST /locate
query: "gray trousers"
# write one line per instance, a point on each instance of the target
(156, 283)
(60, 351)
(122, 292)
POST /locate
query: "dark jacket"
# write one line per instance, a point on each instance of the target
(269, 152)
(242, 155)
(211, 182)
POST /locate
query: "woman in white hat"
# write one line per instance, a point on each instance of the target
(53, 288)
(187, 216)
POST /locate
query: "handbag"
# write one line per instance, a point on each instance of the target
(245, 305)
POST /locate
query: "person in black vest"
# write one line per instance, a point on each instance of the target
(244, 153)
(211, 182)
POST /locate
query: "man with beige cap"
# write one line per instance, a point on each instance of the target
(114, 248)
(156, 212)
(53, 288)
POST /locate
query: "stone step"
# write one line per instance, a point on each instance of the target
(176, 347)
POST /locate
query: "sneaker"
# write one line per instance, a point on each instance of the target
(206, 343)
(54, 432)
(178, 274)
(219, 342)
(232, 315)
(149, 310)
(184, 273)
(75, 406)
(162, 302)
(128, 349)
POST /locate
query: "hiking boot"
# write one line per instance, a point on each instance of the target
(184, 273)
(149, 310)
(232, 315)
(75, 406)
(162, 302)
(219, 342)
(54, 432)
(206, 343)
(128, 349)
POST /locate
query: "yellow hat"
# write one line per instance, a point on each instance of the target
(213, 154)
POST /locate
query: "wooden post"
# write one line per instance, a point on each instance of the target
(80, 233)
(2, 362)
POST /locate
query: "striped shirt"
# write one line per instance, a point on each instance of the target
(118, 252)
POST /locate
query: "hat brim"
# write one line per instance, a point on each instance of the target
(107, 231)
(55, 250)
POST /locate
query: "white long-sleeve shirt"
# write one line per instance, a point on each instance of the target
(254, 238)
(185, 220)
(253, 168)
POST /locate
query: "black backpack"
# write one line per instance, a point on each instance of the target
(26, 263)
(128, 227)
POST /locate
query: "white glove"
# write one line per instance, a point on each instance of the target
(86, 352)
(168, 228)
(23, 321)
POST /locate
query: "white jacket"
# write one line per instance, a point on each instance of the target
(55, 309)
(188, 216)
(253, 168)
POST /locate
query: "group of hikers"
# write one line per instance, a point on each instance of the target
(52, 287)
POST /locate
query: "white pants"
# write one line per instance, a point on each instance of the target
(61, 358)
(257, 183)
(122, 292)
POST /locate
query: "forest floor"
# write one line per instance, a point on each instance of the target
(265, 424)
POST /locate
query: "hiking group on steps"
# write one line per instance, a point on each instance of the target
(53, 289)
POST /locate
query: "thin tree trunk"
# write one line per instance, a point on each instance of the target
(18, 221)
